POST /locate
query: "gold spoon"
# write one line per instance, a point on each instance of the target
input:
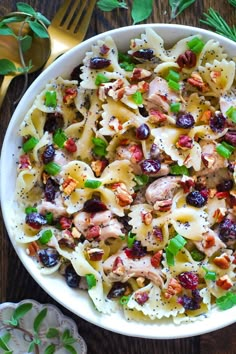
(9, 49)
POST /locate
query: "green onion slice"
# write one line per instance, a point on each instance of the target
(173, 85)
(100, 146)
(51, 99)
(100, 78)
(49, 218)
(196, 45)
(210, 275)
(30, 144)
(137, 97)
(52, 168)
(173, 76)
(59, 138)
(176, 244)
(30, 209)
(127, 66)
(141, 180)
(45, 237)
(179, 170)
(130, 239)
(175, 107)
(124, 299)
(224, 149)
(92, 183)
(197, 255)
(231, 113)
(170, 258)
(226, 301)
(91, 280)
(125, 58)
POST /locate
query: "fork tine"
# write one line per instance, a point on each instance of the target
(69, 16)
(56, 21)
(85, 20)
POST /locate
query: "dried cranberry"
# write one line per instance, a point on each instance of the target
(141, 297)
(185, 120)
(94, 206)
(50, 190)
(49, 257)
(53, 122)
(230, 137)
(35, 220)
(231, 167)
(48, 154)
(118, 289)
(191, 303)
(76, 72)
(137, 250)
(142, 132)
(217, 122)
(188, 280)
(224, 186)
(146, 54)
(99, 63)
(227, 230)
(72, 278)
(125, 222)
(187, 60)
(196, 199)
(154, 151)
(150, 167)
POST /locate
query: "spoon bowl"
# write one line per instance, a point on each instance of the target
(38, 53)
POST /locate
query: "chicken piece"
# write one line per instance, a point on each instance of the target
(211, 160)
(61, 158)
(57, 208)
(112, 229)
(162, 189)
(132, 268)
(133, 153)
(159, 94)
(209, 248)
(212, 179)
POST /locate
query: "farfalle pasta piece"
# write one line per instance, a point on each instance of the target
(196, 105)
(211, 51)
(26, 180)
(33, 123)
(43, 142)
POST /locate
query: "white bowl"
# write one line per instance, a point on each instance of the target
(75, 300)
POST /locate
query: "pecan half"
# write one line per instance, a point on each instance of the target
(223, 261)
(187, 60)
(184, 142)
(224, 282)
(95, 254)
(174, 288)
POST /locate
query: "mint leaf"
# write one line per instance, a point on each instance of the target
(20, 312)
(109, 5)
(50, 349)
(39, 319)
(141, 10)
(6, 31)
(52, 332)
(67, 337)
(70, 349)
(178, 6)
(38, 29)
(23, 7)
(26, 42)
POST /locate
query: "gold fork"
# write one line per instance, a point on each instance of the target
(69, 26)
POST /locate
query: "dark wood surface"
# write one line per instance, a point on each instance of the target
(15, 282)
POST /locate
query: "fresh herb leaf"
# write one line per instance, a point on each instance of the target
(38, 29)
(26, 43)
(6, 67)
(6, 31)
(141, 10)
(20, 312)
(42, 18)
(50, 349)
(216, 21)
(178, 6)
(52, 333)
(70, 349)
(11, 19)
(31, 347)
(109, 5)
(67, 337)
(3, 343)
(232, 2)
(23, 7)
(39, 319)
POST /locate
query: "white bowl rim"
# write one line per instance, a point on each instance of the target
(114, 322)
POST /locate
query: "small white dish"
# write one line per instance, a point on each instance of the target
(19, 341)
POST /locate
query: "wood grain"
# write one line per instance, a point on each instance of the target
(15, 282)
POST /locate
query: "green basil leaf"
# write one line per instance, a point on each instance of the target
(6, 31)
(38, 29)
(52, 333)
(26, 42)
(109, 5)
(70, 349)
(42, 18)
(39, 319)
(23, 7)
(51, 348)
(6, 67)
(21, 311)
(141, 10)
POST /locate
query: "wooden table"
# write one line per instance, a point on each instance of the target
(15, 282)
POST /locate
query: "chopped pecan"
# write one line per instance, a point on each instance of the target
(146, 217)
(156, 259)
(156, 116)
(140, 282)
(224, 282)
(174, 288)
(163, 205)
(187, 60)
(215, 75)
(219, 214)
(75, 233)
(143, 86)
(131, 89)
(32, 249)
(184, 142)
(205, 117)
(140, 74)
(234, 260)
(98, 166)
(122, 194)
(65, 222)
(70, 94)
(93, 232)
(157, 233)
(69, 185)
(118, 267)
(209, 241)
(115, 124)
(24, 163)
(208, 160)
(197, 81)
(141, 297)
(95, 254)
(187, 183)
(223, 261)
(137, 153)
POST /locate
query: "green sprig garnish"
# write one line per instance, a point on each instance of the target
(178, 6)
(232, 2)
(216, 21)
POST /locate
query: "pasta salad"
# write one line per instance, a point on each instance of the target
(126, 178)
